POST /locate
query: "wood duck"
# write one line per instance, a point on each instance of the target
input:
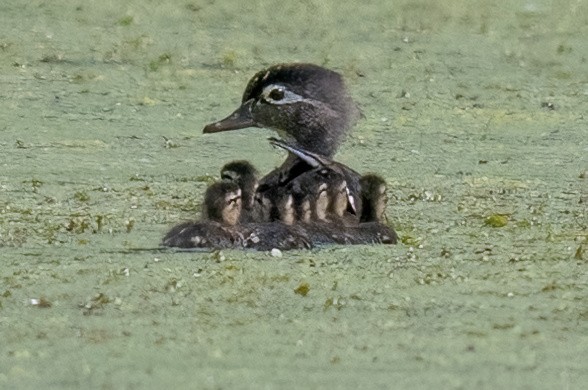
(267, 236)
(309, 107)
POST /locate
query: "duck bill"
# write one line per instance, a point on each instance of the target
(239, 119)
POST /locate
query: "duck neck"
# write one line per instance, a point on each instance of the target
(319, 141)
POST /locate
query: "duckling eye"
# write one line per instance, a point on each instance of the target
(276, 94)
(229, 176)
(234, 200)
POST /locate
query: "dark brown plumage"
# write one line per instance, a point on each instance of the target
(310, 199)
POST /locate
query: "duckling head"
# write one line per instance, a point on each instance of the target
(222, 203)
(374, 198)
(246, 176)
(305, 103)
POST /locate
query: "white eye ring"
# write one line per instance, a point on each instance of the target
(278, 94)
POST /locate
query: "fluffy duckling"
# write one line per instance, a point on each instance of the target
(218, 228)
(222, 203)
(373, 198)
(244, 174)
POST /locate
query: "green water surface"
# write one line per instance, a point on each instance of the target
(474, 113)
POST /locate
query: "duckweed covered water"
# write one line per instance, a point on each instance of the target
(474, 114)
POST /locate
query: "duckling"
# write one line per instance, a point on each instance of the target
(308, 105)
(264, 206)
(244, 174)
(256, 207)
(220, 211)
(373, 214)
(373, 198)
(222, 203)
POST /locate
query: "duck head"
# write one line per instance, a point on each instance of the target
(305, 103)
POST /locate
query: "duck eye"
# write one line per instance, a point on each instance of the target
(276, 94)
